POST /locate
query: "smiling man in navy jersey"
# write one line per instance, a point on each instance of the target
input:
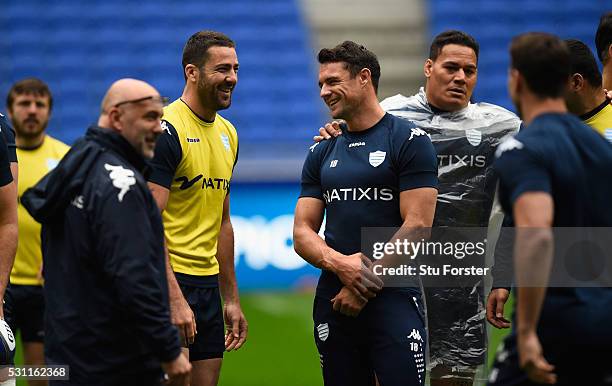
(554, 173)
(381, 173)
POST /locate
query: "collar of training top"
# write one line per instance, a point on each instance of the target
(112, 140)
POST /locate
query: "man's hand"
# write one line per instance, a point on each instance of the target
(348, 303)
(532, 360)
(355, 272)
(183, 318)
(177, 371)
(330, 130)
(237, 326)
(495, 307)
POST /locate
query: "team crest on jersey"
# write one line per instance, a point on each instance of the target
(507, 145)
(123, 179)
(51, 163)
(225, 141)
(377, 157)
(608, 134)
(323, 330)
(473, 136)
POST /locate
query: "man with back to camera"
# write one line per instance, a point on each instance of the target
(585, 96)
(554, 173)
(465, 136)
(29, 104)
(192, 169)
(362, 338)
(107, 313)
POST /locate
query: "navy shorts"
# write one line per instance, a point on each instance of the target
(202, 294)
(24, 309)
(582, 364)
(387, 339)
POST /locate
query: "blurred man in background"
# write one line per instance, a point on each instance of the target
(382, 172)
(29, 104)
(107, 312)
(585, 96)
(554, 173)
(465, 136)
(192, 169)
(603, 43)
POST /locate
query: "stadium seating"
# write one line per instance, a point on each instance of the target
(80, 48)
(494, 22)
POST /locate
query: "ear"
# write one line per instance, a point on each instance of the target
(192, 72)
(514, 81)
(365, 77)
(428, 68)
(576, 82)
(114, 118)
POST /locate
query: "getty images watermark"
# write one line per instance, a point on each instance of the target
(461, 257)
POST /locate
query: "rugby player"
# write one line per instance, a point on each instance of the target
(585, 96)
(29, 103)
(394, 163)
(603, 43)
(465, 136)
(190, 181)
(554, 173)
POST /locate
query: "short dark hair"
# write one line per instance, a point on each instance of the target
(355, 56)
(33, 86)
(583, 62)
(452, 37)
(196, 49)
(603, 37)
(544, 61)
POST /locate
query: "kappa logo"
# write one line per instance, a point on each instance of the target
(225, 141)
(415, 334)
(355, 144)
(377, 157)
(164, 126)
(313, 146)
(473, 136)
(123, 179)
(323, 330)
(416, 132)
(507, 145)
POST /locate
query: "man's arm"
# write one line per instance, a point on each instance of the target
(181, 313)
(533, 217)
(352, 270)
(8, 235)
(237, 327)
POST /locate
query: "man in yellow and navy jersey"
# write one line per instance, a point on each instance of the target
(586, 97)
(192, 169)
(29, 105)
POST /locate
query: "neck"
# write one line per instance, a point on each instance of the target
(532, 106)
(29, 142)
(190, 97)
(367, 115)
(591, 99)
(607, 75)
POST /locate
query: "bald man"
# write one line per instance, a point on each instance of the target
(107, 314)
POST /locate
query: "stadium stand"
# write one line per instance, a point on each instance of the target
(80, 48)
